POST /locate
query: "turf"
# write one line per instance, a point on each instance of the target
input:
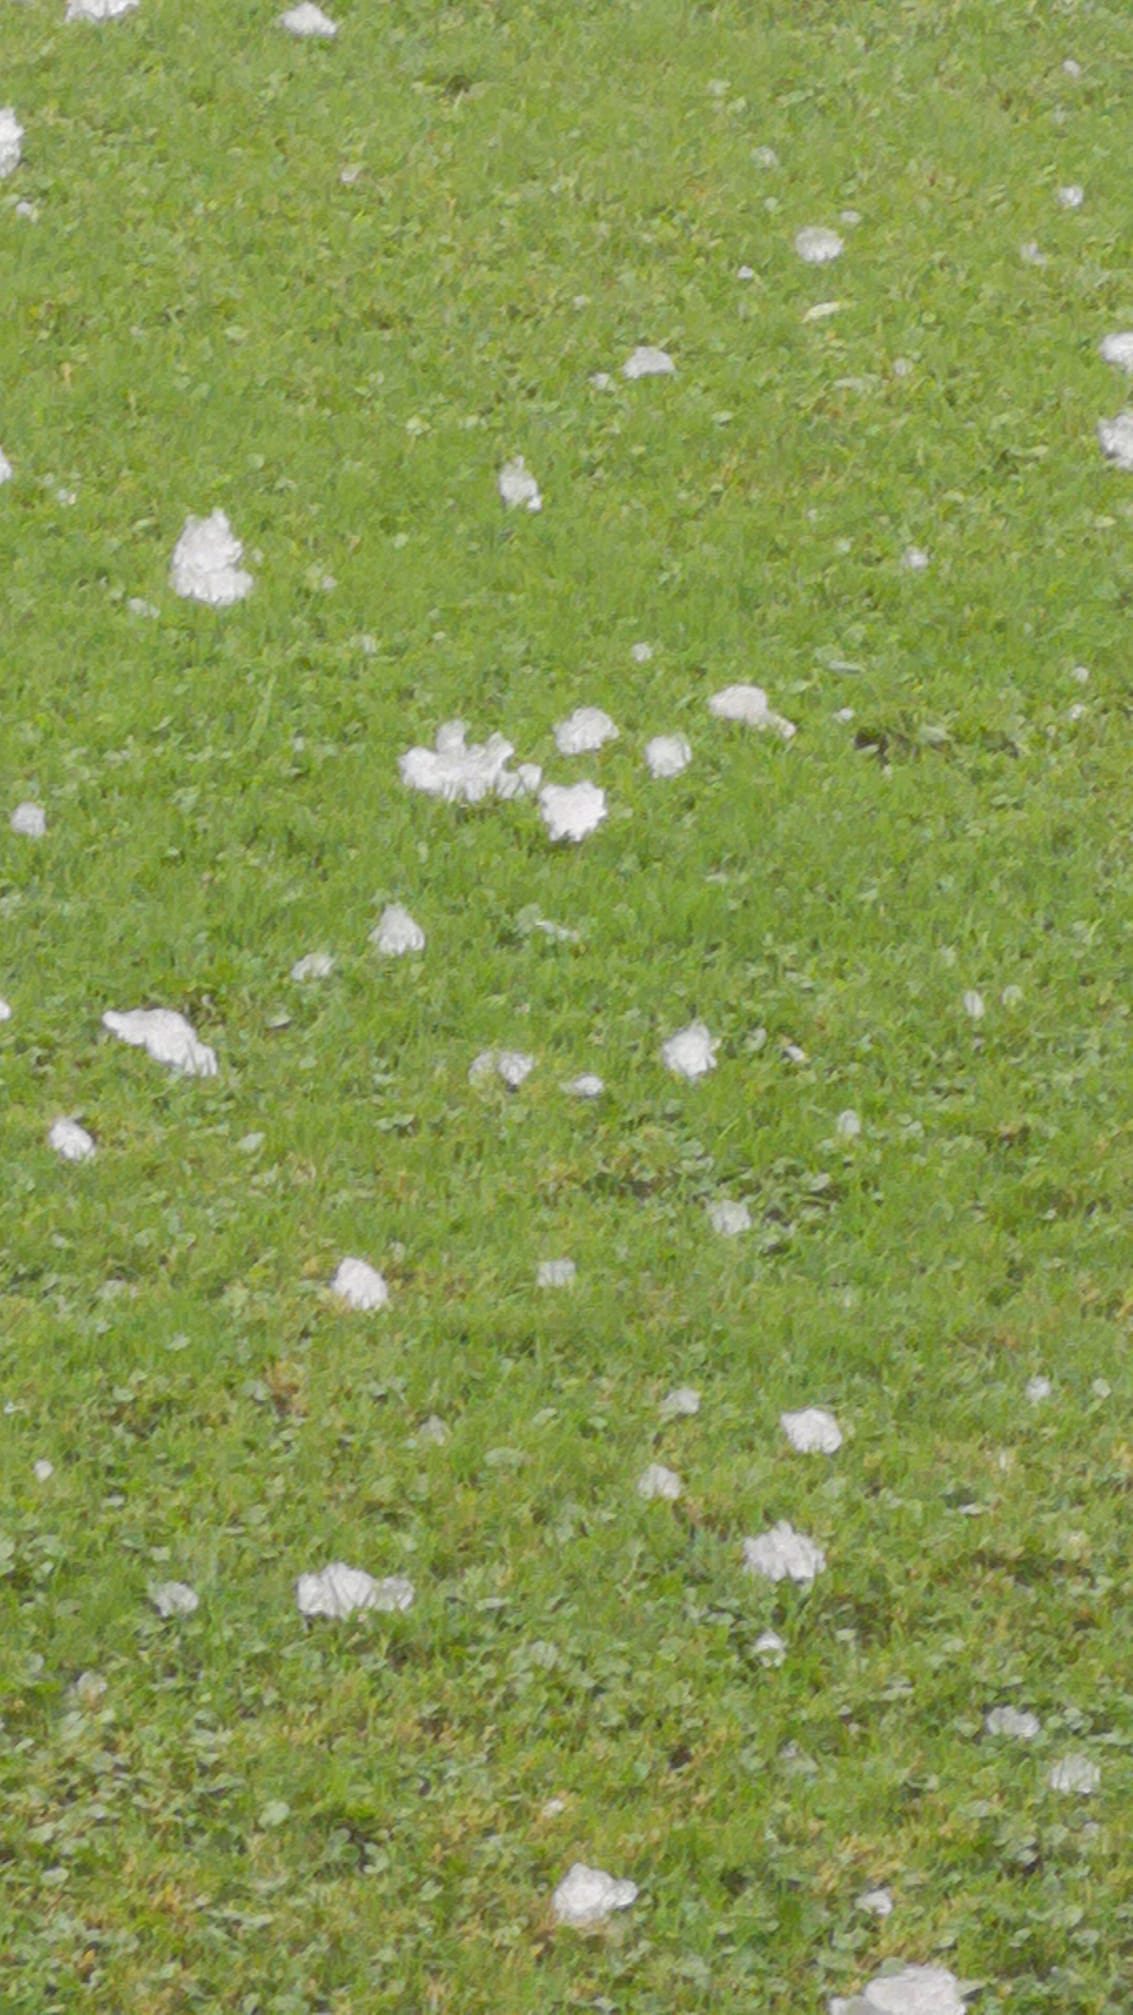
(273, 1818)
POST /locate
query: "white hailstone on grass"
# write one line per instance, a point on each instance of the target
(555, 1272)
(587, 1085)
(587, 1896)
(748, 704)
(848, 1125)
(1118, 350)
(1032, 254)
(681, 1404)
(43, 1471)
(877, 1902)
(307, 20)
(817, 246)
(572, 811)
(462, 772)
(174, 1598)
(5, 468)
(601, 380)
(641, 653)
(729, 1218)
(1081, 675)
(165, 1036)
(71, 1141)
(845, 715)
(90, 1689)
(360, 1285)
(1020, 1727)
(973, 1005)
(1115, 438)
(745, 272)
(338, 1591)
(812, 1431)
(30, 821)
(915, 559)
(206, 563)
(913, 1990)
(691, 1053)
(782, 1554)
(765, 157)
(659, 1482)
(396, 933)
(646, 362)
(517, 486)
(821, 312)
(512, 1065)
(1075, 1773)
(11, 134)
(432, 1432)
(138, 606)
(667, 755)
(314, 966)
(1071, 197)
(1038, 1389)
(586, 729)
(1011, 997)
(770, 1648)
(1075, 712)
(98, 10)
(5, 1011)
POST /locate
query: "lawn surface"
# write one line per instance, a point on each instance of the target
(264, 1816)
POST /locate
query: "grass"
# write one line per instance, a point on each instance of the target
(267, 1818)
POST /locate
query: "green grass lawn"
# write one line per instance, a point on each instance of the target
(259, 1815)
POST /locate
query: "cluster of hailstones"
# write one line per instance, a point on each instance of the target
(206, 567)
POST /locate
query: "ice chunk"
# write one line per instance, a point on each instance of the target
(641, 653)
(43, 1471)
(915, 559)
(770, 1648)
(1038, 1389)
(29, 820)
(174, 1598)
(681, 1404)
(914, 1990)
(817, 246)
(359, 1284)
(1118, 350)
(206, 563)
(691, 1052)
(974, 1005)
(5, 468)
(646, 362)
(555, 1272)
(812, 1431)
(572, 811)
(588, 1895)
(1116, 439)
(98, 10)
(11, 134)
(509, 1064)
(588, 1085)
(728, 1218)
(1071, 196)
(657, 1481)
(396, 933)
(339, 1591)
(667, 755)
(307, 20)
(315, 966)
(1075, 1773)
(517, 486)
(70, 1140)
(878, 1902)
(465, 773)
(5, 1011)
(165, 1036)
(748, 704)
(586, 729)
(1021, 1727)
(782, 1554)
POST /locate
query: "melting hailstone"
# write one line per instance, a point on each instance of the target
(877, 1902)
(646, 362)
(691, 1053)
(5, 1011)
(572, 811)
(1021, 1727)
(98, 10)
(174, 1598)
(1071, 196)
(812, 1431)
(206, 563)
(315, 966)
(586, 729)
(588, 1895)
(555, 1273)
(307, 20)
(588, 1085)
(913, 1990)
(359, 1284)
(681, 1404)
(770, 1648)
(29, 820)
(748, 704)
(463, 772)
(782, 1554)
(11, 134)
(817, 246)
(1115, 438)
(512, 1065)
(166, 1037)
(70, 1140)
(517, 486)
(729, 1218)
(396, 933)
(338, 1591)
(5, 468)
(657, 1481)
(1075, 1773)
(1118, 350)
(667, 755)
